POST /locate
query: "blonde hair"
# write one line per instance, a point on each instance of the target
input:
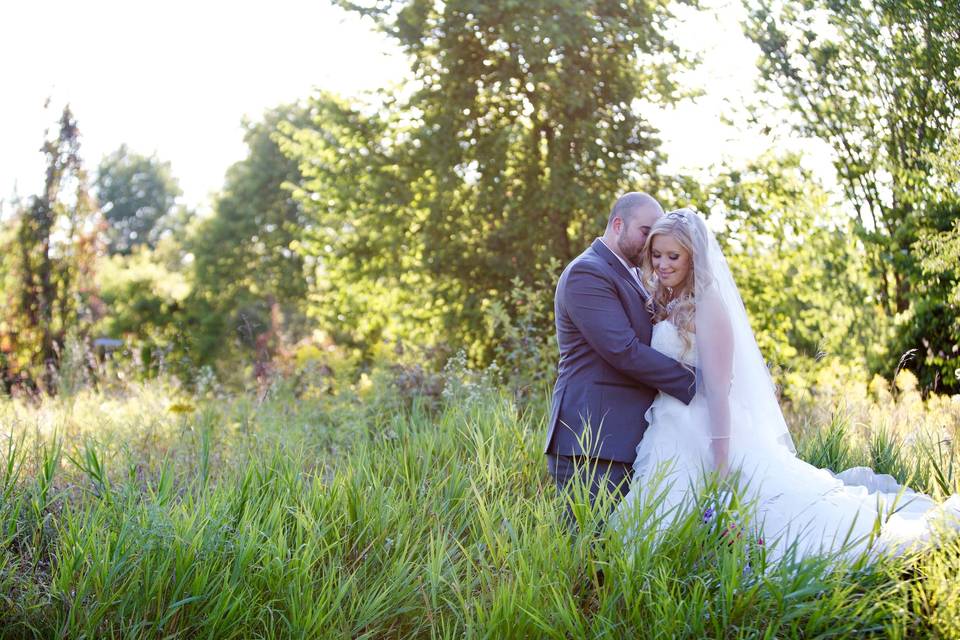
(676, 304)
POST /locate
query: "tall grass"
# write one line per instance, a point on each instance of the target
(156, 516)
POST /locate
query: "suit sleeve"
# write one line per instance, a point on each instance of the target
(592, 304)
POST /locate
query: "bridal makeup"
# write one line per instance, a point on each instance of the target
(670, 260)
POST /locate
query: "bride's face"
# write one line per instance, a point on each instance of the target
(671, 262)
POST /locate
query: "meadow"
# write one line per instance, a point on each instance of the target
(253, 409)
(143, 511)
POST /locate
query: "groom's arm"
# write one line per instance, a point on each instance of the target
(592, 304)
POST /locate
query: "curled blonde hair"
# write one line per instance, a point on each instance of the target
(676, 304)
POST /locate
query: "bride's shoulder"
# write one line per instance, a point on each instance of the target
(709, 297)
(712, 314)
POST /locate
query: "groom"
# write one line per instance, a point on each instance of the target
(608, 373)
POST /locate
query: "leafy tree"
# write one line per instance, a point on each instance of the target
(363, 246)
(522, 125)
(798, 265)
(245, 258)
(878, 81)
(932, 330)
(940, 265)
(145, 293)
(135, 193)
(56, 242)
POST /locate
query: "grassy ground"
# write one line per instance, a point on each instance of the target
(146, 515)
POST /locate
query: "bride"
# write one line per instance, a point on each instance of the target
(734, 426)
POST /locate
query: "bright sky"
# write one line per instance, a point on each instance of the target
(177, 78)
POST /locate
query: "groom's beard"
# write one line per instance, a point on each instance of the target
(633, 253)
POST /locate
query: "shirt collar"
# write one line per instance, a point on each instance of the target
(629, 267)
(632, 270)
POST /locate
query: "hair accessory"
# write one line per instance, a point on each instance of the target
(679, 215)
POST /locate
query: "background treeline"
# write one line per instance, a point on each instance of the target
(434, 217)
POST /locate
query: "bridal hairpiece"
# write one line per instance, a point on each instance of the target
(680, 216)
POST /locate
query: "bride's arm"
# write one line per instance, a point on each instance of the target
(715, 349)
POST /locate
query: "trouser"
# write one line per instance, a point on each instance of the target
(606, 476)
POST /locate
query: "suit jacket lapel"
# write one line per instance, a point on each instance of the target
(604, 252)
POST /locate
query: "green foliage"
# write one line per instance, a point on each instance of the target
(157, 514)
(145, 292)
(135, 194)
(246, 271)
(218, 293)
(798, 266)
(519, 130)
(372, 284)
(878, 82)
(522, 329)
(51, 290)
(435, 216)
(932, 327)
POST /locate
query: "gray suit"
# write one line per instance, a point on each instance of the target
(608, 373)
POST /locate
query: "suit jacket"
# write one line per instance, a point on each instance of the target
(608, 373)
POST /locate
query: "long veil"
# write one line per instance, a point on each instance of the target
(756, 421)
(752, 395)
(802, 509)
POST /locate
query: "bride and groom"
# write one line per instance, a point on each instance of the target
(661, 382)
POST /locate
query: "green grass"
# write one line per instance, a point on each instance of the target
(346, 518)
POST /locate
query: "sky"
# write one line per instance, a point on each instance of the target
(177, 79)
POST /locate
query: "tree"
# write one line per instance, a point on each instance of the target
(57, 240)
(135, 193)
(522, 125)
(932, 331)
(245, 262)
(798, 267)
(878, 81)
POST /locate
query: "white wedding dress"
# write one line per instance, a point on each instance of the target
(798, 508)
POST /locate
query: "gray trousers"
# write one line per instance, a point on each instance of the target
(599, 475)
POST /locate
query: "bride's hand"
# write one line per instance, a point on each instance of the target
(720, 448)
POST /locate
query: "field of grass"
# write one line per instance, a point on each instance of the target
(144, 513)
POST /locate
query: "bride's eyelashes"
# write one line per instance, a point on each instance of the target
(670, 256)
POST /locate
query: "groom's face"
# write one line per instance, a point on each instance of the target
(634, 231)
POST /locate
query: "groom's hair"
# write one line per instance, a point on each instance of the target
(628, 204)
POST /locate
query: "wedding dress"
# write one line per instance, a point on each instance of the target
(798, 509)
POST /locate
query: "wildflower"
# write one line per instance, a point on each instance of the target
(733, 531)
